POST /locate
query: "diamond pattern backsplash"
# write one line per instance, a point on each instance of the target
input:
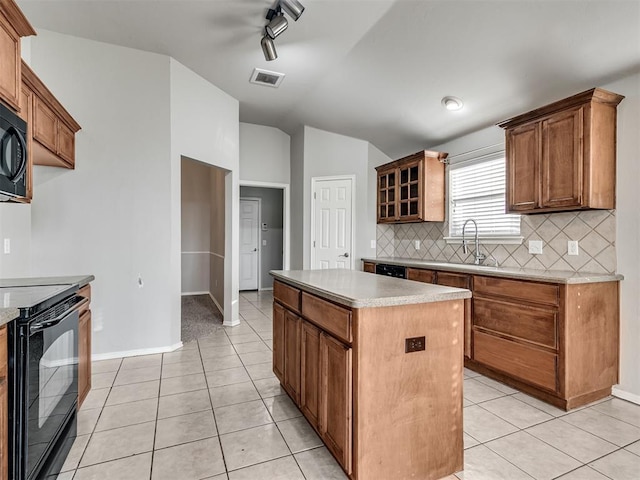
(595, 230)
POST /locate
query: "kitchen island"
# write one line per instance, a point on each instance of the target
(375, 365)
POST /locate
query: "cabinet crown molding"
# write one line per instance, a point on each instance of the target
(598, 95)
(16, 18)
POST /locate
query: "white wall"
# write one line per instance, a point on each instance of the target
(195, 226)
(628, 234)
(264, 154)
(297, 192)
(15, 224)
(205, 127)
(111, 215)
(329, 154)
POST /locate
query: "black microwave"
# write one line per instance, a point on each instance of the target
(13, 155)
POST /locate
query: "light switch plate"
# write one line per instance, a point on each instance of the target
(373, 244)
(535, 247)
(572, 247)
(7, 245)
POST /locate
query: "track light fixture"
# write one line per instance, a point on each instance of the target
(278, 24)
(268, 48)
(293, 7)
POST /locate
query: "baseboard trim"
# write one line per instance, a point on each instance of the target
(186, 294)
(215, 302)
(631, 397)
(96, 357)
(267, 288)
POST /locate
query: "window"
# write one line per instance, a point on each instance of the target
(477, 191)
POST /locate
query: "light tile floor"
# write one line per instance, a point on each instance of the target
(214, 410)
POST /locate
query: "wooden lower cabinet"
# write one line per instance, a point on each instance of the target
(292, 327)
(310, 372)
(383, 413)
(335, 424)
(84, 346)
(558, 342)
(84, 357)
(278, 341)
(369, 267)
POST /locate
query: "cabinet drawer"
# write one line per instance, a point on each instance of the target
(424, 276)
(287, 295)
(546, 293)
(456, 280)
(326, 315)
(534, 325)
(3, 352)
(369, 267)
(523, 362)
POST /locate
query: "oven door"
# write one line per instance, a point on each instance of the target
(51, 390)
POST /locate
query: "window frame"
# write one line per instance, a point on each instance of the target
(491, 239)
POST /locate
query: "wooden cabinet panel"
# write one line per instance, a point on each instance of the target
(84, 356)
(335, 423)
(13, 25)
(66, 143)
(545, 293)
(562, 159)
(9, 64)
(369, 267)
(278, 341)
(535, 325)
(419, 275)
(26, 113)
(45, 125)
(53, 127)
(460, 280)
(309, 372)
(4, 358)
(529, 364)
(329, 317)
(411, 189)
(523, 147)
(292, 327)
(287, 295)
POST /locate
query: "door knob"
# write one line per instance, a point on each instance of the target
(345, 255)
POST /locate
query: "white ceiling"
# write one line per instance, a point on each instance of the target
(377, 69)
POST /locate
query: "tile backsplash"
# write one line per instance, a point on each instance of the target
(595, 230)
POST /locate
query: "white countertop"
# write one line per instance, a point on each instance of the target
(356, 289)
(549, 276)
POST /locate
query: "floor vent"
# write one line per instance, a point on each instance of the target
(267, 78)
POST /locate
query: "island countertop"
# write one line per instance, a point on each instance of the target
(357, 289)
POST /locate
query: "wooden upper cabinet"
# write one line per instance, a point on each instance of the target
(412, 189)
(26, 113)
(13, 25)
(53, 127)
(563, 156)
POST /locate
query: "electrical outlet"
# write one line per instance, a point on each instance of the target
(7, 245)
(416, 244)
(535, 247)
(414, 344)
(572, 247)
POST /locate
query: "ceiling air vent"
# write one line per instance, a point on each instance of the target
(265, 77)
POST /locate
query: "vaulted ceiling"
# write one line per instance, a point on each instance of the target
(376, 69)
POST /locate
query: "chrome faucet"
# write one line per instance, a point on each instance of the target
(478, 256)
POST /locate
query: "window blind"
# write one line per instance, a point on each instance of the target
(478, 191)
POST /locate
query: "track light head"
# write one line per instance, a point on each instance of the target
(293, 7)
(277, 25)
(268, 48)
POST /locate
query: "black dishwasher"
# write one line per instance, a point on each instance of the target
(391, 270)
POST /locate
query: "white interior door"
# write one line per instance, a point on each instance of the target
(249, 247)
(332, 207)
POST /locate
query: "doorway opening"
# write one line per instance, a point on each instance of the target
(203, 205)
(263, 234)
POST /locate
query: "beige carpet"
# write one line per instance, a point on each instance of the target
(200, 317)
